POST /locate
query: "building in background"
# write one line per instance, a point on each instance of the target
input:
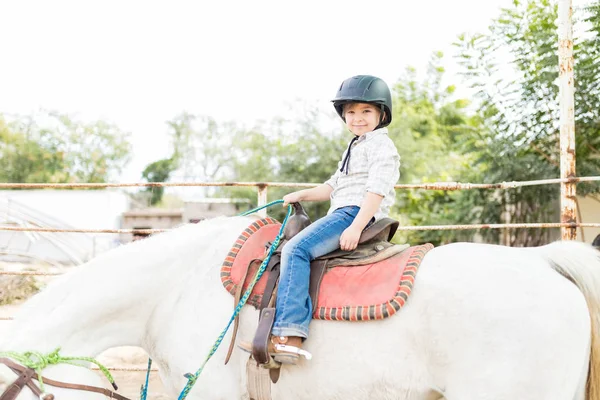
(59, 209)
(192, 211)
(589, 212)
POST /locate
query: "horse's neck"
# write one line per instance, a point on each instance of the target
(78, 318)
(104, 304)
(111, 301)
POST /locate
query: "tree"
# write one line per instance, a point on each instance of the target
(514, 69)
(54, 148)
(202, 146)
(201, 151)
(298, 149)
(158, 171)
(427, 121)
(26, 160)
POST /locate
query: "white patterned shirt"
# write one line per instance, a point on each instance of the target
(374, 167)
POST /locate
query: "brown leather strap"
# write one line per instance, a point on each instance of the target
(236, 300)
(16, 367)
(37, 391)
(274, 268)
(317, 271)
(28, 374)
(15, 388)
(260, 344)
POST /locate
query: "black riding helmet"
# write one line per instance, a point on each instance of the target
(365, 89)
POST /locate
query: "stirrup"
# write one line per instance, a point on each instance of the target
(281, 354)
(292, 349)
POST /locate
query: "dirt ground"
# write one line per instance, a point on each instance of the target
(130, 382)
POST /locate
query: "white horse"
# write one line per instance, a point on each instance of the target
(482, 322)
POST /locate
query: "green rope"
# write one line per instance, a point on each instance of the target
(38, 361)
(192, 378)
(260, 208)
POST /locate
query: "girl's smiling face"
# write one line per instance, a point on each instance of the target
(361, 117)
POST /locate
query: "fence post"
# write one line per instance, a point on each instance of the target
(568, 205)
(262, 199)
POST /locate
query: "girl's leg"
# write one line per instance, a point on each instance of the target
(294, 308)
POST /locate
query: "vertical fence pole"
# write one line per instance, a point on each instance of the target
(568, 205)
(262, 199)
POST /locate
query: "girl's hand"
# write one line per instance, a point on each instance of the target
(350, 237)
(294, 197)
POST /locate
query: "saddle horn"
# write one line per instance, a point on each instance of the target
(296, 222)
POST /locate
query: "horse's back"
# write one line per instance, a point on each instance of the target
(500, 317)
(482, 322)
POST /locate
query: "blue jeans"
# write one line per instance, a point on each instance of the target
(294, 307)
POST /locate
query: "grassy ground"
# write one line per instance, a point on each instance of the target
(17, 288)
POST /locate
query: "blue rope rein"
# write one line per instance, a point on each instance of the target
(144, 388)
(192, 378)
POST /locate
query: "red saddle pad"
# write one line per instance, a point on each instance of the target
(350, 293)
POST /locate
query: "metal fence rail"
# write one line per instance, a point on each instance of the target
(262, 199)
(400, 228)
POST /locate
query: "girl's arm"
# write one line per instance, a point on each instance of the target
(368, 208)
(318, 193)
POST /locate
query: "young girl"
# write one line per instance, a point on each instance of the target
(361, 191)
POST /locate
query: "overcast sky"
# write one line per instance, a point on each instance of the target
(140, 63)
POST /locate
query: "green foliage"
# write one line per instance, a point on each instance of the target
(514, 69)
(53, 148)
(28, 160)
(201, 151)
(427, 122)
(158, 171)
(287, 151)
(202, 146)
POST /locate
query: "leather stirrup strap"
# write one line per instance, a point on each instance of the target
(274, 269)
(50, 382)
(236, 300)
(317, 271)
(260, 344)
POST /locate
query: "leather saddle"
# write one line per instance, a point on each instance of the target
(374, 245)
